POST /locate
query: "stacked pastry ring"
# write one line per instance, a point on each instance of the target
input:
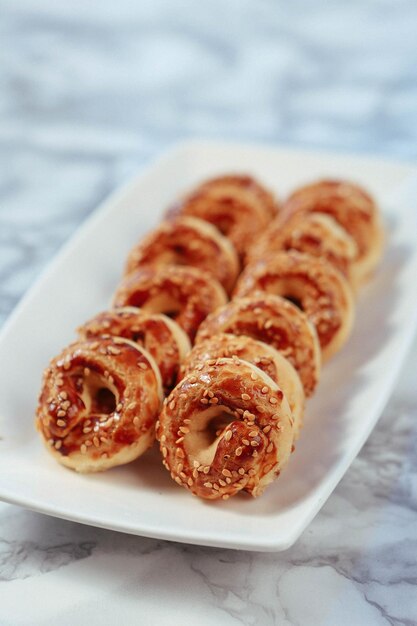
(234, 403)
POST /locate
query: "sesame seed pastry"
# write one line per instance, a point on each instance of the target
(236, 205)
(188, 241)
(314, 285)
(276, 322)
(269, 360)
(225, 428)
(248, 187)
(158, 334)
(354, 209)
(317, 234)
(185, 294)
(99, 403)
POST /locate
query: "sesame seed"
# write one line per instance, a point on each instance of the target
(61, 413)
(265, 389)
(61, 423)
(184, 429)
(204, 401)
(206, 469)
(190, 482)
(253, 433)
(96, 441)
(180, 452)
(246, 442)
(266, 429)
(178, 480)
(172, 405)
(119, 407)
(87, 371)
(228, 435)
(180, 467)
(163, 438)
(245, 397)
(192, 379)
(58, 444)
(253, 376)
(136, 421)
(270, 447)
(226, 472)
(179, 440)
(222, 482)
(196, 464)
(83, 449)
(63, 395)
(214, 400)
(273, 400)
(254, 444)
(216, 487)
(208, 485)
(239, 451)
(241, 471)
(164, 450)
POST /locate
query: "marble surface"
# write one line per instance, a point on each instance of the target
(89, 92)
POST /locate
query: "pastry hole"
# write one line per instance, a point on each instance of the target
(201, 443)
(138, 337)
(103, 401)
(295, 301)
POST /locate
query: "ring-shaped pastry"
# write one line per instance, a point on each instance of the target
(314, 285)
(237, 215)
(247, 187)
(188, 241)
(157, 333)
(220, 433)
(185, 294)
(354, 210)
(276, 322)
(99, 403)
(269, 360)
(317, 234)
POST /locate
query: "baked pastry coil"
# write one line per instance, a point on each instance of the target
(314, 285)
(354, 209)
(269, 360)
(99, 403)
(276, 322)
(158, 334)
(237, 213)
(317, 234)
(221, 433)
(247, 187)
(185, 294)
(188, 241)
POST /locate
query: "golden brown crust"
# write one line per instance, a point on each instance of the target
(237, 205)
(99, 403)
(186, 294)
(188, 241)
(220, 432)
(354, 209)
(317, 234)
(158, 334)
(276, 322)
(318, 288)
(248, 186)
(269, 360)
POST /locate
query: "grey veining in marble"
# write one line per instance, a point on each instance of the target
(89, 92)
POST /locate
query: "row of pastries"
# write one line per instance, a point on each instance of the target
(216, 335)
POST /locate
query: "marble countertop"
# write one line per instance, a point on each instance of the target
(89, 93)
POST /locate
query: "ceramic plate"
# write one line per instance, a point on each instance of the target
(141, 498)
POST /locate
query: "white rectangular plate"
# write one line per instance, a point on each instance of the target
(141, 498)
